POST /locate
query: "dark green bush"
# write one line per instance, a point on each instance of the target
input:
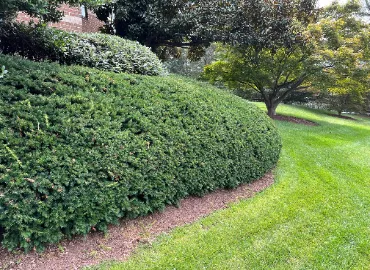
(105, 52)
(81, 148)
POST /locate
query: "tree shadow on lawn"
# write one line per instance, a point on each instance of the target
(342, 116)
(320, 116)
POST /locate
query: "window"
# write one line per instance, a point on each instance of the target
(84, 13)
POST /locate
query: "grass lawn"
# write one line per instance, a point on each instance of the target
(316, 216)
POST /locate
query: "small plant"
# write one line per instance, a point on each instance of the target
(61, 248)
(93, 254)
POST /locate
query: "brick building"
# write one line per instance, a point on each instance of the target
(76, 19)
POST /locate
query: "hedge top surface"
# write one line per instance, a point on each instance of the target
(111, 53)
(81, 148)
(102, 51)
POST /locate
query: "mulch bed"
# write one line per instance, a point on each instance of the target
(295, 120)
(342, 116)
(121, 240)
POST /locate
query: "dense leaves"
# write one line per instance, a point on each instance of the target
(331, 55)
(274, 66)
(271, 51)
(81, 148)
(343, 49)
(105, 52)
(274, 74)
(196, 23)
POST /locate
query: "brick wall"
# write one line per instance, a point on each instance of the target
(91, 24)
(72, 20)
(23, 17)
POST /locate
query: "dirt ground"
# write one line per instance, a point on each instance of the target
(294, 120)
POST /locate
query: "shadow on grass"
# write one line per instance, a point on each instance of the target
(323, 117)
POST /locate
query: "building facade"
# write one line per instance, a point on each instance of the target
(76, 19)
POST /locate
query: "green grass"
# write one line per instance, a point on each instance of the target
(316, 216)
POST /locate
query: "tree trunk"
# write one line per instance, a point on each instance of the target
(340, 113)
(271, 109)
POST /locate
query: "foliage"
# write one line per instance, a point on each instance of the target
(366, 107)
(81, 148)
(41, 9)
(302, 97)
(198, 23)
(274, 74)
(105, 52)
(346, 96)
(33, 42)
(331, 54)
(344, 52)
(185, 65)
(315, 216)
(269, 62)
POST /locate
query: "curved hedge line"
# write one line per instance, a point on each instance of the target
(105, 52)
(81, 148)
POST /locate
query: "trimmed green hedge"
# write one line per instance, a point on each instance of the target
(81, 148)
(105, 52)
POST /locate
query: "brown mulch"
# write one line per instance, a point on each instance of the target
(342, 116)
(122, 239)
(295, 120)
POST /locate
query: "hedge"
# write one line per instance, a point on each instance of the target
(105, 52)
(81, 148)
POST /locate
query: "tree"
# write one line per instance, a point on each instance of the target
(344, 53)
(346, 95)
(44, 10)
(274, 74)
(184, 23)
(154, 23)
(273, 65)
(331, 55)
(185, 65)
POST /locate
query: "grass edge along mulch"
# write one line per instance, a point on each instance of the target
(314, 217)
(123, 239)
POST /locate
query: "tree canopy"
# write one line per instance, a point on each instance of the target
(271, 64)
(194, 23)
(331, 54)
(344, 53)
(274, 74)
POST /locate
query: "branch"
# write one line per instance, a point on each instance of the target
(281, 70)
(182, 44)
(294, 85)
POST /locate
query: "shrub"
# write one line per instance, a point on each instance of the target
(105, 52)
(81, 148)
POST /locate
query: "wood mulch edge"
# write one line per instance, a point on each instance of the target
(295, 120)
(123, 239)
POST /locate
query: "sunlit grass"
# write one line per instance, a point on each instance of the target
(316, 216)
